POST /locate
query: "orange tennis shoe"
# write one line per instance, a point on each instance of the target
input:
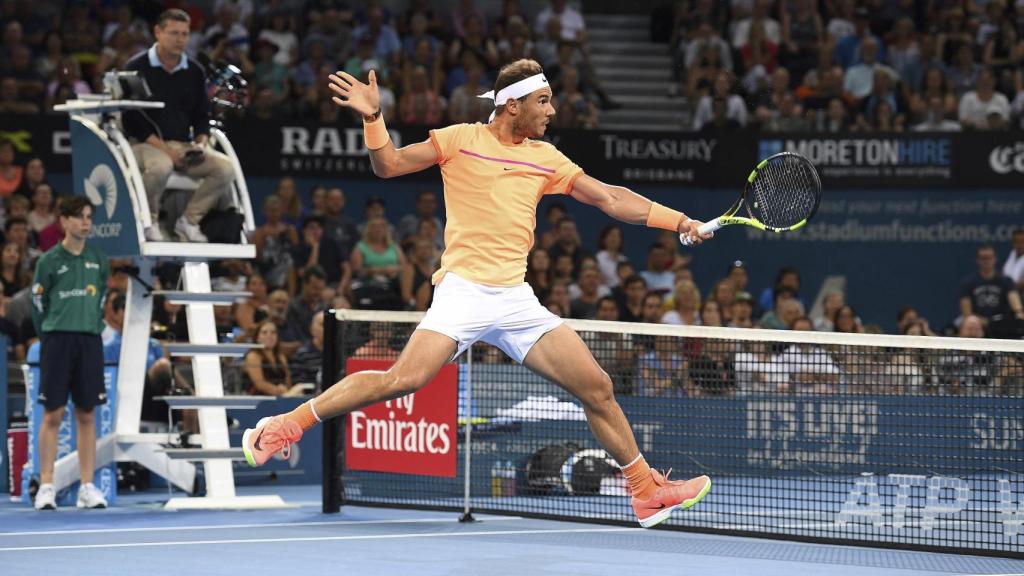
(270, 436)
(669, 495)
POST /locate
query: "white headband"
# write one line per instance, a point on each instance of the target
(515, 91)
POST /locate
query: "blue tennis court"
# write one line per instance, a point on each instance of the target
(139, 537)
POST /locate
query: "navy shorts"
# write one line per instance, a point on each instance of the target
(71, 363)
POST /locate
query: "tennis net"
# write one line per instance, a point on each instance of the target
(896, 441)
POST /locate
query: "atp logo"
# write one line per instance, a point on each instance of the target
(101, 188)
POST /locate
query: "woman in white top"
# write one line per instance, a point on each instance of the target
(687, 306)
(610, 254)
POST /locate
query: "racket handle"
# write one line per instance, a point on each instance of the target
(705, 228)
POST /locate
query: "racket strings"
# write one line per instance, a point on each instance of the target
(785, 192)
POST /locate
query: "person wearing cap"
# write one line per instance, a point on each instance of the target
(494, 176)
(976, 106)
(318, 249)
(268, 73)
(742, 310)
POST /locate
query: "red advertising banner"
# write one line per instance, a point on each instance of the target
(414, 434)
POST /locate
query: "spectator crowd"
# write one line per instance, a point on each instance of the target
(781, 65)
(849, 65)
(430, 65)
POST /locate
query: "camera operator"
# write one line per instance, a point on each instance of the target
(161, 138)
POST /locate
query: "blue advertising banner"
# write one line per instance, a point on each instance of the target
(900, 463)
(97, 176)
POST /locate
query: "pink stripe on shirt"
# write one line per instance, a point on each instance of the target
(505, 161)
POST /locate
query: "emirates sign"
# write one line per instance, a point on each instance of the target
(414, 434)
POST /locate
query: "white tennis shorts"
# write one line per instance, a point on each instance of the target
(509, 317)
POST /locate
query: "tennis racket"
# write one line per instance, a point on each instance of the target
(782, 193)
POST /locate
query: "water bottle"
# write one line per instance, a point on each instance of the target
(509, 479)
(496, 480)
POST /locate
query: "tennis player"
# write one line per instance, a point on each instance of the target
(494, 175)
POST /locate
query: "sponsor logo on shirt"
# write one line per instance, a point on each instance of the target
(63, 268)
(92, 265)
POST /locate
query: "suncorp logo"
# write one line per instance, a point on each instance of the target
(1006, 159)
(101, 188)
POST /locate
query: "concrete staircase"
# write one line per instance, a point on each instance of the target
(636, 73)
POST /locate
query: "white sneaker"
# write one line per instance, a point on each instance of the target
(154, 234)
(46, 497)
(188, 231)
(90, 497)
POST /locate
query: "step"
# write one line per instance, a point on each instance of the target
(628, 48)
(636, 88)
(663, 62)
(649, 74)
(642, 115)
(222, 298)
(198, 251)
(644, 121)
(616, 34)
(239, 402)
(194, 454)
(190, 349)
(633, 127)
(617, 20)
(651, 102)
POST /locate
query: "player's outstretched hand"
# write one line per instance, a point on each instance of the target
(351, 93)
(688, 230)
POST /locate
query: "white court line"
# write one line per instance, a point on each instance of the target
(315, 539)
(235, 526)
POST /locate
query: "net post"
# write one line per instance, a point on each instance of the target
(467, 514)
(331, 487)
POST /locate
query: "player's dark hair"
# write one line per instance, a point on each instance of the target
(119, 301)
(72, 207)
(985, 246)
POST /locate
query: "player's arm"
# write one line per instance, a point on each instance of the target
(387, 161)
(40, 298)
(628, 206)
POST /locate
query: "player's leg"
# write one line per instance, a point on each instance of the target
(48, 442)
(419, 362)
(54, 385)
(561, 356)
(88, 390)
(86, 431)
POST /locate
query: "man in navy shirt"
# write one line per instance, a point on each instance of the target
(988, 294)
(174, 138)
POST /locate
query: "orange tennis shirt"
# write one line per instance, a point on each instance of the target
(491, 191)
